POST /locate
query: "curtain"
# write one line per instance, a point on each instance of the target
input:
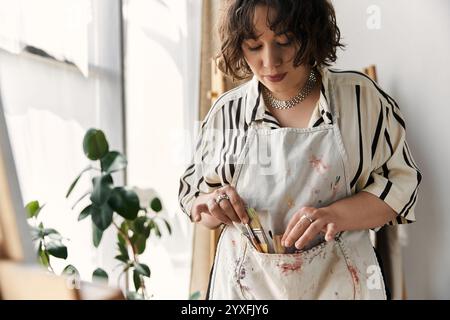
(59, 27)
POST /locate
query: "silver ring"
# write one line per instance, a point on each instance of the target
(305, 216)
(221, 197)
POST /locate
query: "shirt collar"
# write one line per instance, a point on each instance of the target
(255, 107)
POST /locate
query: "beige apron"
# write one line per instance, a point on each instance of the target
(280, 171)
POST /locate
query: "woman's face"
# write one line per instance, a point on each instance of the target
(271, 57)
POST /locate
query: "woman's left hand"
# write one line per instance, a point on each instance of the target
(307, 223)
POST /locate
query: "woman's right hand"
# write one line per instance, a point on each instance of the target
(226, 211)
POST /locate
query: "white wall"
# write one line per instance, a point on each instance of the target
(411, 50)
(162, 86)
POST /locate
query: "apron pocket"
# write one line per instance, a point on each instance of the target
(322, 272)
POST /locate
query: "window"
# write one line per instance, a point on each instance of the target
(60, 72)
(162, 70)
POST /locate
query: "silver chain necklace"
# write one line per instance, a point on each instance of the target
(301, 95)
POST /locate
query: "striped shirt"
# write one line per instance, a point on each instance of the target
(371, 125)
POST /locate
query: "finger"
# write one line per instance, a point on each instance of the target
(297, 231)
(298, 215)
(331, 232)
(217, 212)
(237, 203)
(225, 205)
(295, 218)
(311, 232)
(197, 214)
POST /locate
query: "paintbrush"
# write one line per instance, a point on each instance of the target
(253, 238)
(258, 230)
(277, 244)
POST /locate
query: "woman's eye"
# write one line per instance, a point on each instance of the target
(285, 44)
(254, 48)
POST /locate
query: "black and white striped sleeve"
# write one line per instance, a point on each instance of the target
(191, 178)
(220, 140)
(395, 177)
(195, 179)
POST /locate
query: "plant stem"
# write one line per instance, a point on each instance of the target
(135, 255)
(127, 239)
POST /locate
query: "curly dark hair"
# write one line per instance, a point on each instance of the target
(311, 22)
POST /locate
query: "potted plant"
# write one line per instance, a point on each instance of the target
(110, 206)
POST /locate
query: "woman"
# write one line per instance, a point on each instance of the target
(320, 154)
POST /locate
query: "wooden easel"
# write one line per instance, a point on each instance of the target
(218, 87)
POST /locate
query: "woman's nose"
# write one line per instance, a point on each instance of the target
(271, 58)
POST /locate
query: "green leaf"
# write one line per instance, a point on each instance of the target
(96, 235)
(147, 231)
(76, 180)
(140, 225)
(139, 241)
(123, 250)
(39, 247)
(195, 295)
(142, 269)
(156, 205)
(85, 213)
(99, 273)
(57, 249)
(154, 226)
(125, 202)
(49, 231)
(70, 270)
(113, 161)
(168, 226)
(157, 231)
(33, 209)
(124, 227)
(44, 259)
(136, 279)
(103, 187)
(95, 145)
(81, 198)
(120, 238)
(121, 258)
(102, 216)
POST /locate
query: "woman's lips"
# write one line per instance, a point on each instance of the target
(276, 77)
